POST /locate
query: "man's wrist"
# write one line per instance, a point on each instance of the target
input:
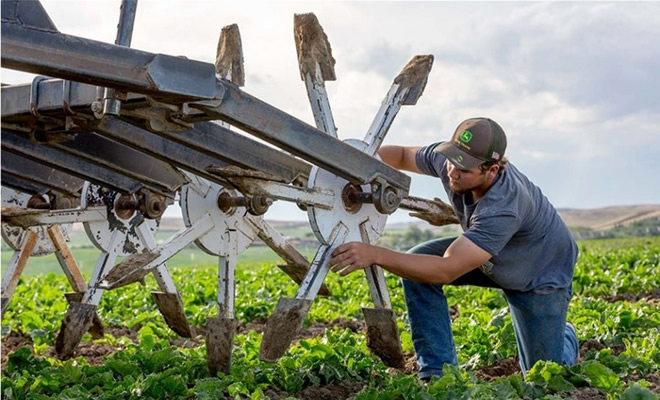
(378, 255)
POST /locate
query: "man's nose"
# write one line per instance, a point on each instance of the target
(454, 173)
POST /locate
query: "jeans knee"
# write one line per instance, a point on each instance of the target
(413, 289)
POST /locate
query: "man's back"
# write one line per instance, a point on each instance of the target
(531, 246)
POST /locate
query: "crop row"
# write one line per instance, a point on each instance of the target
(628, 331)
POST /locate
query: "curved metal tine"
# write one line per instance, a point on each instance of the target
(316, 66)
(135, 267)
(297, 264)
(406, 89)
(220, 330)
(229, 65)
(382, 331)
(79, 316)
(289, 314)
(74, 276)
(168, 299)
(436, 212)
(375, 277)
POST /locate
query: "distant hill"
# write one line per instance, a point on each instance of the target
(600, 219)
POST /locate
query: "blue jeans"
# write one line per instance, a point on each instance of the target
(539, 320)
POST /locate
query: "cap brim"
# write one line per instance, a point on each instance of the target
(458, 157)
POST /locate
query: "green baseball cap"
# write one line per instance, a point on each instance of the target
(476, 141)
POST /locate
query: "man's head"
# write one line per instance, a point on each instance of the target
(475, 154)
(475, 141)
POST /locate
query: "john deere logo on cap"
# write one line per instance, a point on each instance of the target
(459, 158)
(466, 136)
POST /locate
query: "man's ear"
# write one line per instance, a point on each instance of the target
(493, 170)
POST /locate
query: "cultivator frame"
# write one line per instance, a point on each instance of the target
(124, 132)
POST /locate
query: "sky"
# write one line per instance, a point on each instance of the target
(574, 85)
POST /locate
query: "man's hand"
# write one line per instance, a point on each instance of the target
(353, 256)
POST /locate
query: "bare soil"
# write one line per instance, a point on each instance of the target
(12, 342)
(586, 393)
(94, 353)
(593, 344)
(651, 297)
(499, 369)
(653, 379)
(333, 391)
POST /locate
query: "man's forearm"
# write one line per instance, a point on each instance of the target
(417, 267)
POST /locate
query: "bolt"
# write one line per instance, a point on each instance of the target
(391, 198)
(97, 107)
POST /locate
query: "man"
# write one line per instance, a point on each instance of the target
(513, 240)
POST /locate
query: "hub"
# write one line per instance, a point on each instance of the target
(350, 197)
(125, 206)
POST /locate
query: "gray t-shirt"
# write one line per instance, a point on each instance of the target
(531, 246)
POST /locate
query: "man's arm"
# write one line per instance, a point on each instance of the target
(461, 257)
(400, 157)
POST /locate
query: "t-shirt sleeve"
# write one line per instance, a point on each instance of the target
(429, 161)
(492, 232)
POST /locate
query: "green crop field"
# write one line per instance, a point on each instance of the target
(615, 308)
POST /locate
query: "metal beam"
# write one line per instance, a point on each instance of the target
(158, 147)
(26, 218)
(39, 175)
(123, 68)
(27, 13)
(123, 160)
(206, 137)
(236, 149)
(17, 143)
(177, 79)
(16, 98)
(289, 133)
(20, 185)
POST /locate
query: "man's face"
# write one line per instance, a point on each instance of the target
(462, 180)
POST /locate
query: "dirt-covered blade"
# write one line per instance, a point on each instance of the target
(383, 336)
(171, 306)
(77, 321)
(96, 330)
(219, 342)
(282, 327)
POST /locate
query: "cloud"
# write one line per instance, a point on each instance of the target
(573, 84)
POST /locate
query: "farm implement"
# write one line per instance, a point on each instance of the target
(111, 136)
